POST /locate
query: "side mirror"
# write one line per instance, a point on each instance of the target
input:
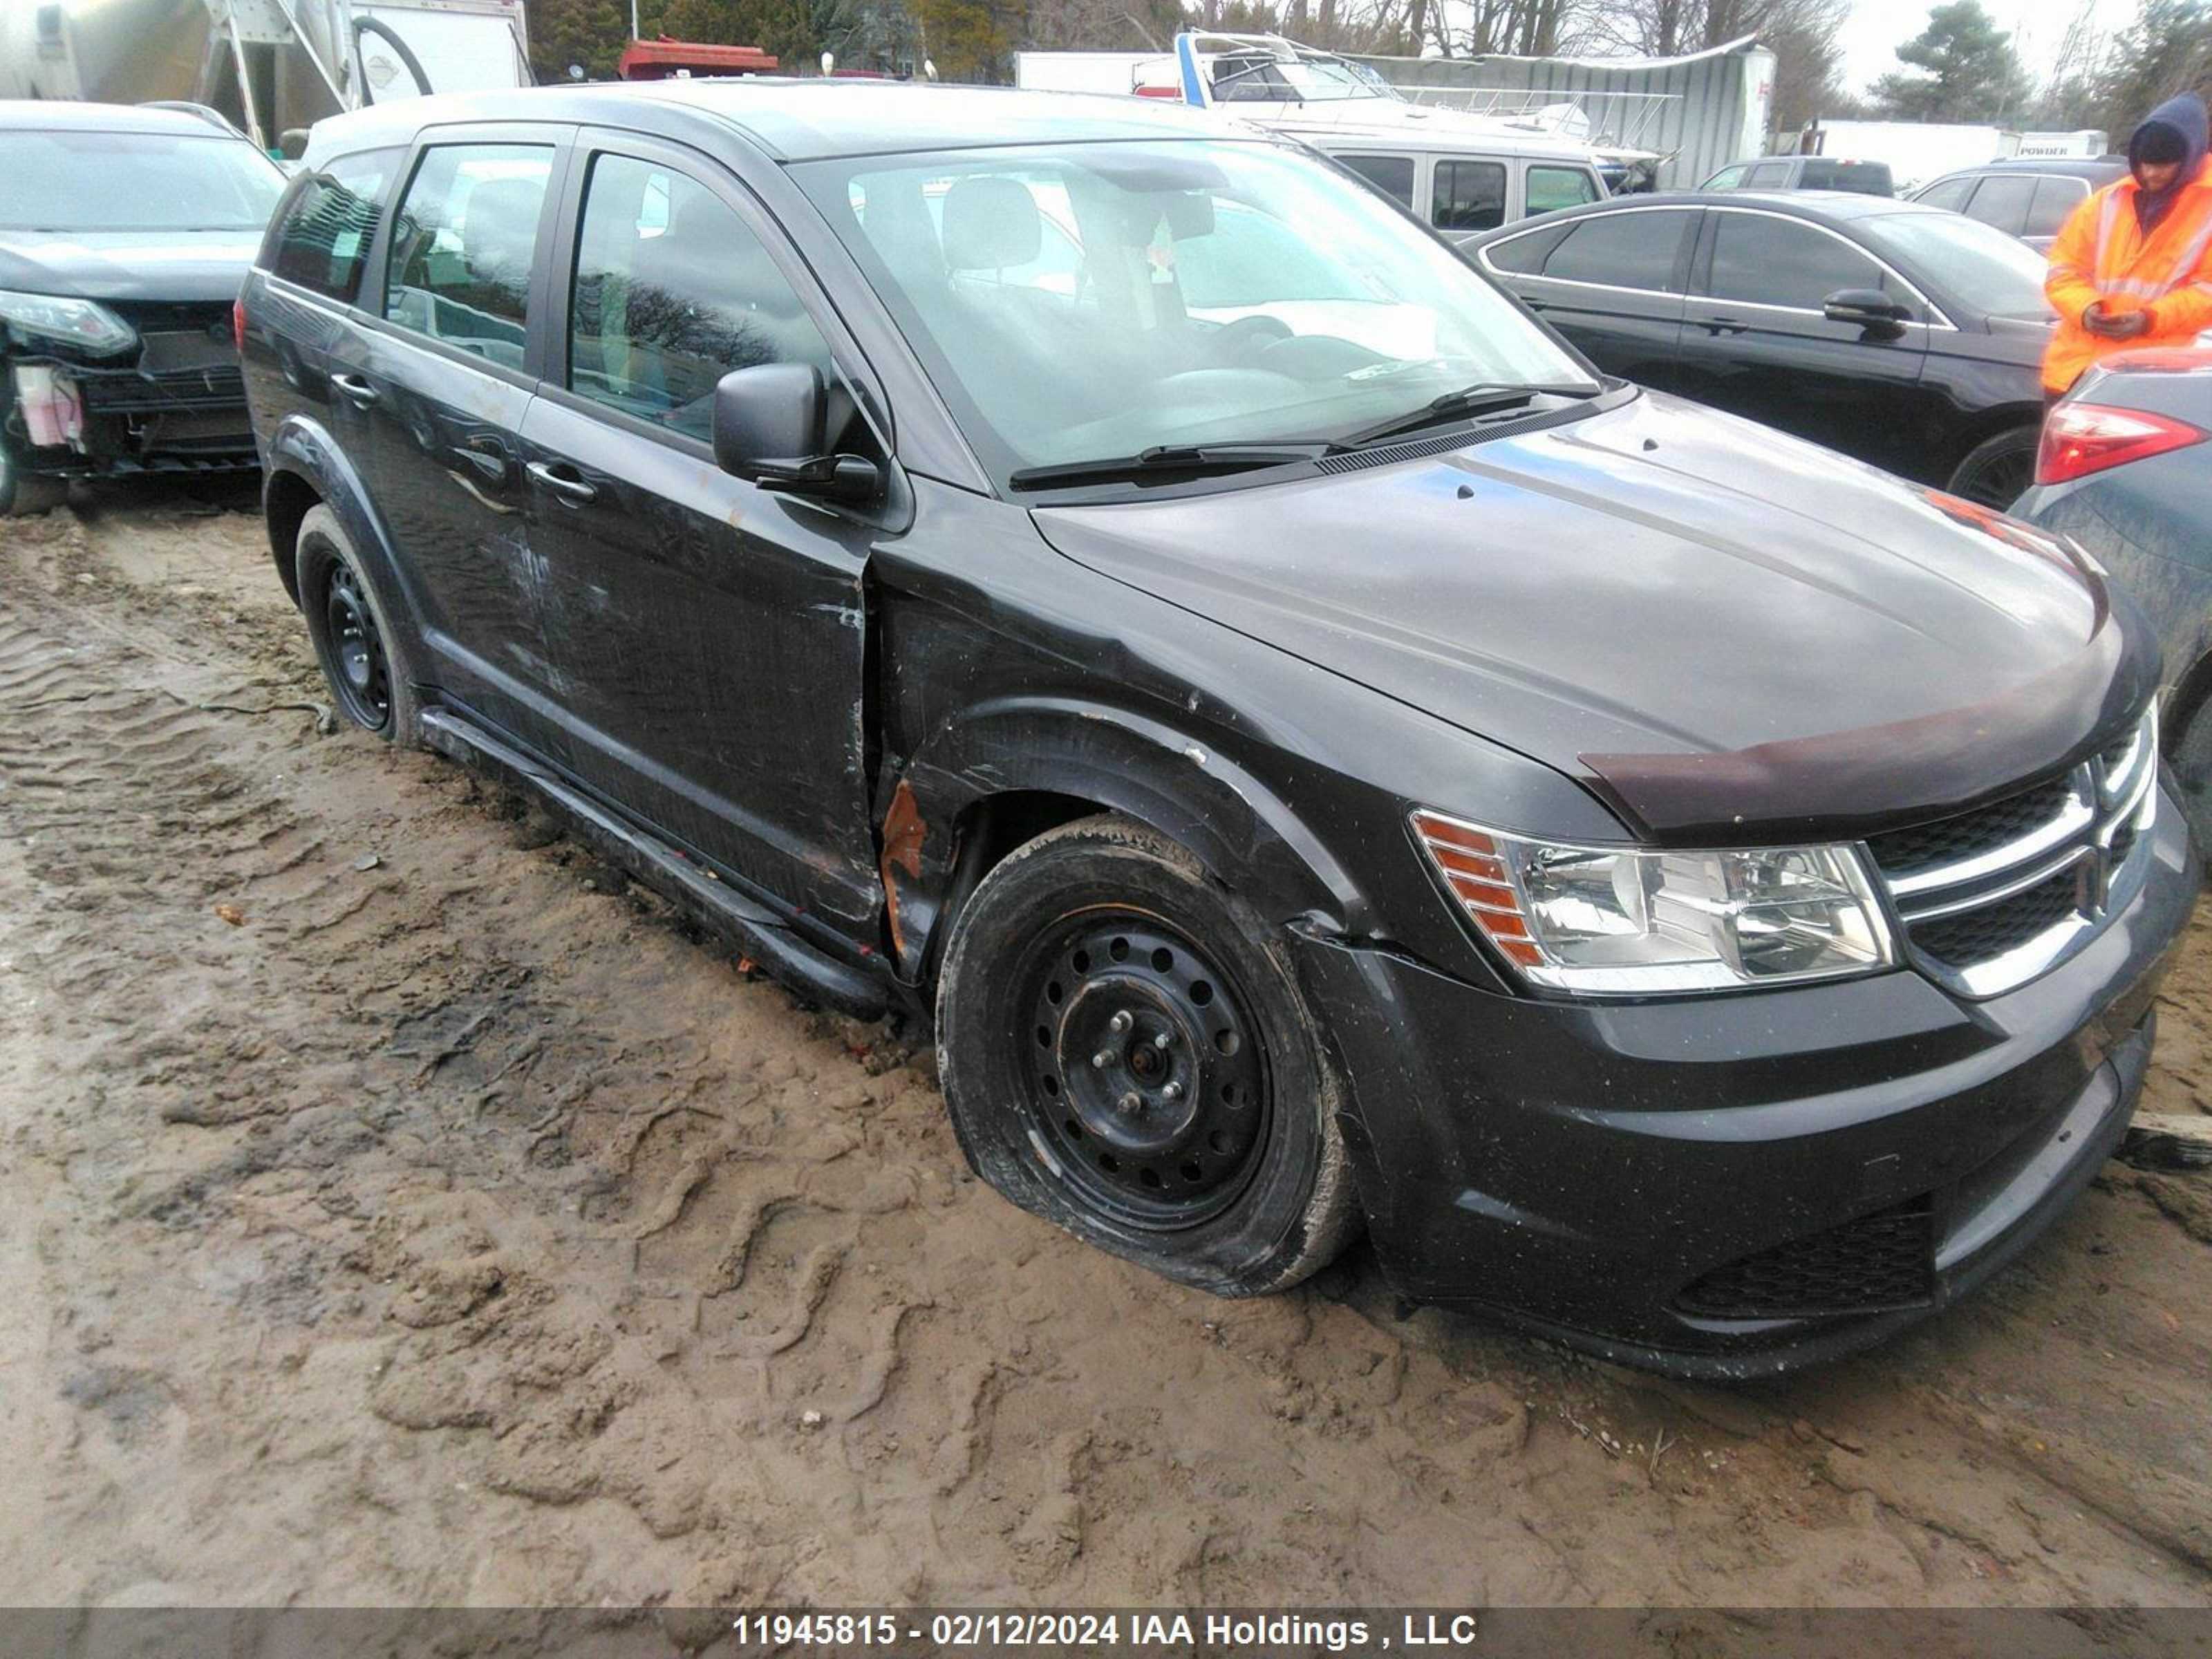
(1869, 308)
(292, 143)
(769, 422)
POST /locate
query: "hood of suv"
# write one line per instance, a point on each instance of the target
(1726, 633)
(174, 265)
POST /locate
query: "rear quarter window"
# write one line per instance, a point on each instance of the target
(321, 233)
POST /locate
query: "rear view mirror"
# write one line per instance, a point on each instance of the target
(769, 427)
(1869, 308)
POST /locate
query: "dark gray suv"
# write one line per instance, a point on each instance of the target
(1111, 586)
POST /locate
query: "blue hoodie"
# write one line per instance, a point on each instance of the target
(2184, 118)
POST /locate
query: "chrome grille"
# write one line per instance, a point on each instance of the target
(1991, 897)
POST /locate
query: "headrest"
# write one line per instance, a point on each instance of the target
(990, 224)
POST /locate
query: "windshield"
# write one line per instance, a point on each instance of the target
(1106, 299)
(1978, 262)
(1294, 80)
(92, 181)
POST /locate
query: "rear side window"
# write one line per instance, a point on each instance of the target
(673, 291)
(1391, 175)
(464, 244)
(1767, 175)
(321, 239)
(2002, 200)
(1552, 188)
(1949, 194)
(1762, 260)
(1866, 178)
(1469, 196)
(1523, 255)
(2056, 198)
(1622, 250)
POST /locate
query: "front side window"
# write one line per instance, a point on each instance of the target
(1185, 291)
(1469, 196)
(75, 180)
(1635, 250)
(1391, 175)
(1552, 188)
(322, 241)
(673, 291)
(1727, 178)
(1759, 259)
(464, 244)
(1767, 175)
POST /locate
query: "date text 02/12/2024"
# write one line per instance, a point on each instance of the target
(1116, 1630)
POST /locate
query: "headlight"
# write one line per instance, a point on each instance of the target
(1622, 921)
(84, 323)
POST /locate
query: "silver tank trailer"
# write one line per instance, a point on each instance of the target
(268, 65)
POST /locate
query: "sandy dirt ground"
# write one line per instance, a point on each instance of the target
(395, 1207)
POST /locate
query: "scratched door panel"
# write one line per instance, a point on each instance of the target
(708, 643)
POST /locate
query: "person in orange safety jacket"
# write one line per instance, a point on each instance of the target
(2132, 266)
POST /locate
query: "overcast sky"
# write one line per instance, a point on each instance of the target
(1876, 28)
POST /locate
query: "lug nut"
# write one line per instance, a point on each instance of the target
(1102, 1059)
(1174, 1091)
(1120, 1022)
(1130, 1104)
(1161, 1041)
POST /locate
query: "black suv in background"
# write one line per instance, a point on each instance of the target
(1316, 749)
(2027, 200)
(1804, 173)
(124, 236)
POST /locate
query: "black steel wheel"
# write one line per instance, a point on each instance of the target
(364, 678)
(364, 660)
(1125, 1053)
(1997, 471)
(1149, 1084)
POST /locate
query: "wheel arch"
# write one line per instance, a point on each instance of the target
(1016, 768)
(306, 468)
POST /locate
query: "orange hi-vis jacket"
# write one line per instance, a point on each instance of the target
(2101, 253)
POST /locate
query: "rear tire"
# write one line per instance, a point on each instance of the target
(1997, 470)
(365, 661)
(2190, 755)
(1124, 1052)
(22, 493)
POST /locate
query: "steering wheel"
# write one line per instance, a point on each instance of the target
(1246, 337)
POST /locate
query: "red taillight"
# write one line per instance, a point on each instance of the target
(238, 324)
(2079, 439)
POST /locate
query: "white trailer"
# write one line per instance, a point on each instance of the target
(270, 67)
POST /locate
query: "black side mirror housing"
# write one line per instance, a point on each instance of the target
(769, 427)
(1869, 308)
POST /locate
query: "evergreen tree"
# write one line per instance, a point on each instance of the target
(1966, 71)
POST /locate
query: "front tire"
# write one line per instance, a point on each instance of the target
(1997, 470)
(22, 493)
(365, 661)
(1125, 1053)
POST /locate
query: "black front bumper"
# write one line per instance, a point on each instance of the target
(1633, 1177)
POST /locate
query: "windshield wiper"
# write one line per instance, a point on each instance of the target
(1480, 398)
(1173, 458)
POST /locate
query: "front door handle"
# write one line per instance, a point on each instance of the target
(1725, 326)
(358, 393)
(566, 485)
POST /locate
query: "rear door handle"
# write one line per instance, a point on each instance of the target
(488, 464)
(1723, 324)
(358, 393)
(569, 488)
